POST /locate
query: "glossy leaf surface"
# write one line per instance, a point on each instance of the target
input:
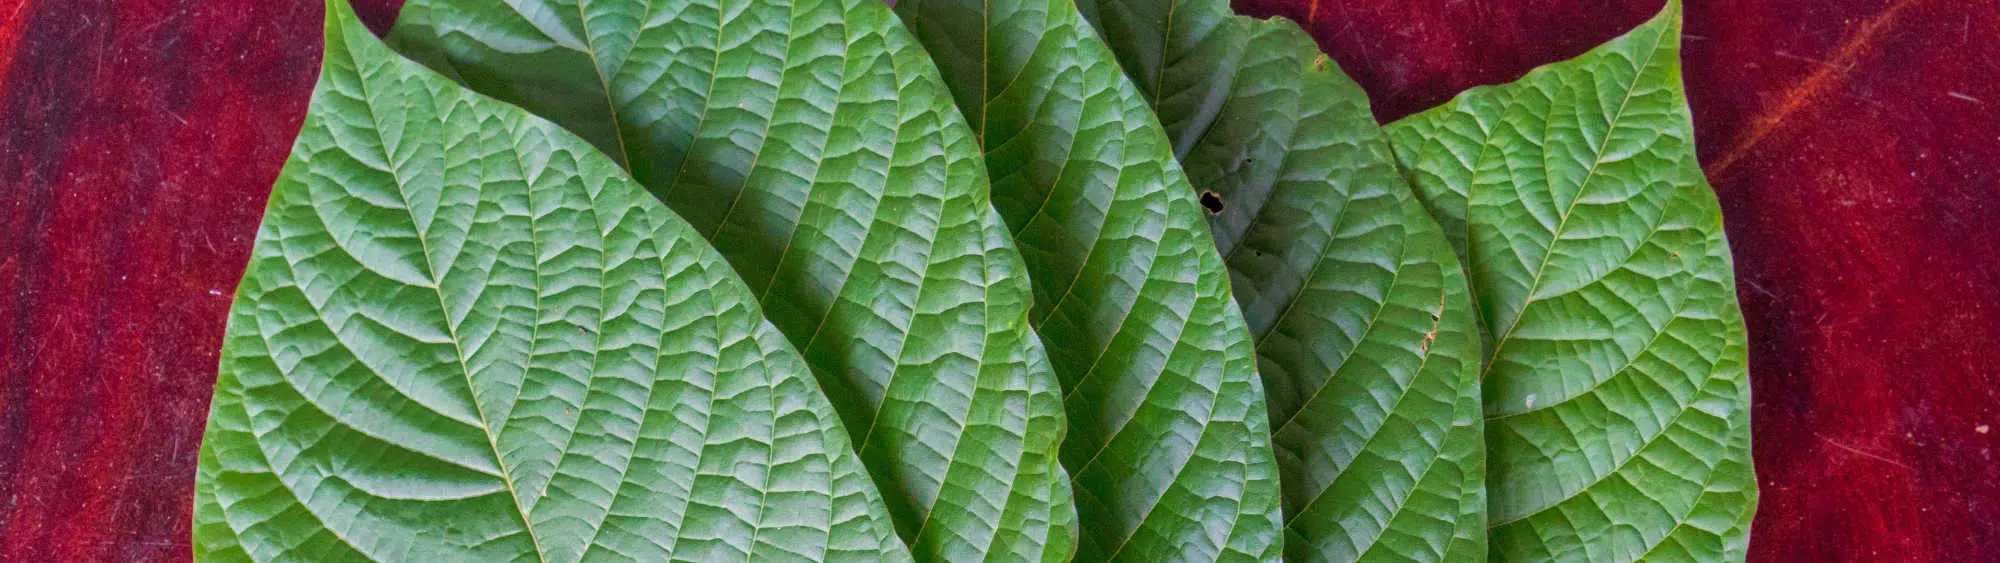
(466, 334)
(1365, 335)
(1615, 389)
(1168, 437)
(814, 145)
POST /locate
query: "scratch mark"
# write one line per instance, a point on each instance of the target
(1760, 289)
(1962, 96)
(170, 18)
(1789, 55)
(1866, 454)
(1831, 73)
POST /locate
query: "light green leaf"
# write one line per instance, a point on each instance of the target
(466, 335)
(1168, 435)
(1615, 390)
(1365, 334)
(813, 143)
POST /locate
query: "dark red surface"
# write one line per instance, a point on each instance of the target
(1855, 146)
(138, 141)
(1856, 149)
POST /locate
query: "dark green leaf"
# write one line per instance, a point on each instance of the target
(466, 335)
(814, 145)
(1168, 433)
(1365, 335)
(1615, 393)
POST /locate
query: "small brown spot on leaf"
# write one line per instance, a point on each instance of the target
(1437, 318)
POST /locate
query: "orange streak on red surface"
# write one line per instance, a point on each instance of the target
(1829, 76)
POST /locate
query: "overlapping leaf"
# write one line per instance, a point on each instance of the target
(1365, 335)
(1168, 436)
(814, 145)
(1615, 391)
(466, 335)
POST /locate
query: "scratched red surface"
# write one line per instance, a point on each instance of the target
(138, 141)
(1855, 145)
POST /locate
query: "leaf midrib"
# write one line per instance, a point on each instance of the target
(623, 156)
(423, 245)
(1583, 186)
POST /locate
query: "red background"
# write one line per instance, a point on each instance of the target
(1855, 145)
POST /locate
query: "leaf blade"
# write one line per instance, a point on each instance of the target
(1168, 438)
(1366, 341)
(1596, 253)
(813, 145)
(390, 328)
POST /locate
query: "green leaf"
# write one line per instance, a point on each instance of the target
(1168, 440)
(466, 335)
(1615, 391)
(1365, 334)
(814, 144)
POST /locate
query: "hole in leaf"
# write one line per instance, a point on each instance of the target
(1211, 201)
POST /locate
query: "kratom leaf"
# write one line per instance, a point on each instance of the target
(814, 145)
(466, 335)
(1365, 335)
(1615, 392)
(1168, 440)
